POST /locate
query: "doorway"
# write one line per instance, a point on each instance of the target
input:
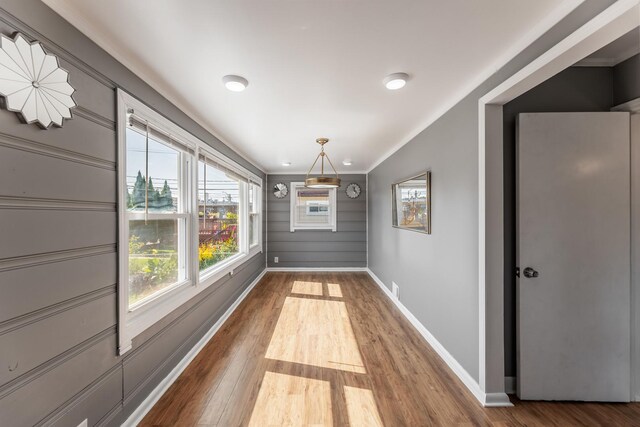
(611, 24)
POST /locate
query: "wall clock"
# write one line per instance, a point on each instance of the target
(353, 190)
(280, 190)
(33, 84)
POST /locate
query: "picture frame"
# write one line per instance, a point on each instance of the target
(411, 203)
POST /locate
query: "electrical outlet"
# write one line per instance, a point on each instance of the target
(275, 259)
(85, 423)
(395, 289)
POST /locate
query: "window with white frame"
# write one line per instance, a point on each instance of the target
(219, 215)
(188, 216)
(157, 211)
(312, 208)
(255, 214)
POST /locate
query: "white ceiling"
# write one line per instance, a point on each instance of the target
(315, 68)
(616, 52)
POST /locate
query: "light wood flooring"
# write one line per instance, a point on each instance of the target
(322, 349)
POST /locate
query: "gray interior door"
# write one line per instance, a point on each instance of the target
(574, 244)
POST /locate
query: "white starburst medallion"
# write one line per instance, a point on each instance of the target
(33, 84)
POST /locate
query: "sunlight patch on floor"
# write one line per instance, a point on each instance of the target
(334, 290)
(286, 400)
(361, 407)
(307, 288)
(315, 332)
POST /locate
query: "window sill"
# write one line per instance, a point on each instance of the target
(145, 315)
(307, 228)
(224, 268)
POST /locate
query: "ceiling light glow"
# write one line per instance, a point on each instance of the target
(235, 83)
(346, 162)
(286, 164)
(396, 81)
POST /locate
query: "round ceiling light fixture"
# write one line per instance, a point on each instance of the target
(235, 83)
(347, 162)
(396, 81)
(286, 164)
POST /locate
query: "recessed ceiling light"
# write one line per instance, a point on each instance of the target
(346, 162)
(286, 163)
(235, 83)
(396, 81)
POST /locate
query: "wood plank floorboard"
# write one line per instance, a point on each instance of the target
(330, 349)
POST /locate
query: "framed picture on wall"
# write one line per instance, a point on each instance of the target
(411, 200)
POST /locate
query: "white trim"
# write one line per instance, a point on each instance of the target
(615, 21)
(304, 172)
(366, 210)
(510, 384)
(612, 23)
(131, 322)
(487, 400)
(595, 62)
(608, 62)
(536, 31)
(138, 414)
(632, 106)
(70, 13)
(257, 189)
(320, 269)
(212, 154)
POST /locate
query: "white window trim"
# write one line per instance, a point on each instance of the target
(257, 247)
(293, 225)
(133, 321)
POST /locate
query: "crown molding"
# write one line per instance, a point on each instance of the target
(295, 172)
(70, 14)
(525, 41)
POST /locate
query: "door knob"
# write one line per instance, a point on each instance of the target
(530, 273)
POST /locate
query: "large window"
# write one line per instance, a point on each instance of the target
(312, 208)
(188, 217)
(218, 214)
(156, 214)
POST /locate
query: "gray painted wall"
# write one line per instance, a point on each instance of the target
(438, 273)
(58, 261)
(576, 89)
(347, 247)
(626, 84)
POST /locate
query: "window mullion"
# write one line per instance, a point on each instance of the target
(195, 219)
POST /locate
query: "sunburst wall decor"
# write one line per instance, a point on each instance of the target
(33, 84)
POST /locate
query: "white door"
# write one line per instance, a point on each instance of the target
(574, 256)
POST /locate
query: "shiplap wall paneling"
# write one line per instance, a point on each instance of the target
(346, 247)
(58, 261)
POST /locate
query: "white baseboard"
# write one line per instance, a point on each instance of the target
(510, 384)
(496, 400)
(146, 405)
(486, 399)
(320, 269)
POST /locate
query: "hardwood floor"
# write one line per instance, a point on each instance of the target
(330, 349)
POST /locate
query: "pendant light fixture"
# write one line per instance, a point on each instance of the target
(322, 181)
